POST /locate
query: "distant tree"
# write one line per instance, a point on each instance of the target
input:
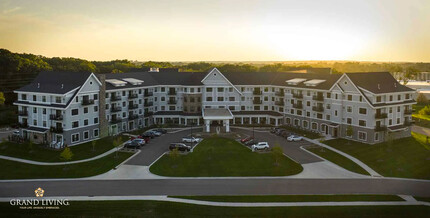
(422, 99)
(2, 98)
(157, 64)
(425, 111)
(410, 73)
(116, 71)
(277, 153)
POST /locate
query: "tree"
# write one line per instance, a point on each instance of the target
(93, 143)
(66, 155)
(422, 99)
(277, 153)
(2, 99)
(117, 142)
(174, 154)
(425, 110)
(349, 131)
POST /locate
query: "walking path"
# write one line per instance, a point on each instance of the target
(355, 160)
(235, 204)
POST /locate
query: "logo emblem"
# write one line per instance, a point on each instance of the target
(39, 192)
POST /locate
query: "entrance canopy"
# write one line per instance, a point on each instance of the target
(217, 114)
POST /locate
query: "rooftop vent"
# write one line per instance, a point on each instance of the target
(38, 85)
(314, 82)
(379, 86)
(116, 82)
(154, 69)
(295, 81)
(133, 81)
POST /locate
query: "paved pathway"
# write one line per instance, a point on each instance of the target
(420, 130)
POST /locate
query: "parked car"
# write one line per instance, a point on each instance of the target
(132, 144)
(280, 131)
(191, 139)
(155, 133)
(148, 134)
(16, 133)
(294, 138)
(273, 130)
(286, 134)
(179, 146)
(146, 138)
(141, 142)
(260, 146)
(246, 139)
(251, 142)
(160, 130)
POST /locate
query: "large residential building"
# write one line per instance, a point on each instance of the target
(72, 108)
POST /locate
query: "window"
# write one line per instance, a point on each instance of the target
(123, 93)
(220, 98)
(232, 99)
(361, 98)
(96, 96)
(305, 124)
(96, 120)
(362, 136)
(349, 109)
(232, 108)
(327, 117)
(75, 124)
(75, 137)
(75, 112)
(86, 122)
(378, 98)
(328, 95)
(398, 109)
(391, 98)
(86, 135)
(77, 99)
(377, 136)
(35, 122)
(349, 97)
(85, 110)
(96, 133)
(43, 98)
(34, 110)
(24, 97)
(308, 103)
(335, 113)
(349, 120)
(34, 98)
(230, 89)
(220, 89)
(44, 123)
(208, 98)
(314, 126)
(44, 111)
(362, 111)
(399, 97)
(362, 123)
(96, 108)
(209, 89)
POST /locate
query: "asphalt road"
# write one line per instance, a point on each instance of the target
(291, 149)
(250, 186)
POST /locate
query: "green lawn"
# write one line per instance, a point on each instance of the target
(407, 157)
(293, 198)
(224, 157)
(337, 159)
(426, 199)
(43, 154)
(169, 209)
(17, 170)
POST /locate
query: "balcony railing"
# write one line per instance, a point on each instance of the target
(171, 102)
(318, 98)
(280, 93)
(297, 95)
(115, 109)
(87, 101)
(381, 115)
(380, 128)
(257, 92)
(318, 108)
(115, 98)
(408, 112)
(132, 116)
(148, 94)
(298, 105)
(133, 106)
(23, 113)
(55, 117)
(280, 103)
(56, 129)
(148, 104)
(132, 96)
(148, 113)
(115, 120)
(257, 101)
(171, 92)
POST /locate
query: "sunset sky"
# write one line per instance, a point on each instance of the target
(199, 30)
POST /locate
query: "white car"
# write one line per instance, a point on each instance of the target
(294, 138)
(260, 146)
(191, 139)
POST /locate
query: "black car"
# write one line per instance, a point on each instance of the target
(132, 144)
(148, 134)
(179, 146)
(160, 130)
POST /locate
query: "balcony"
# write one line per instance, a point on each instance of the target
(280, 94)
(87, 101)
(298, 106)
(298, 95)
(148, 113)
(115, 98)
(115, 120)
(408, 112)
(133, 106)
(318, 108)
(257, 92)
(380, 128)
(171, 102)
(255, 101)
(115, 109)
(56, 117)
(318, 98)
(148, 94)
(132, 116)
(23, 125)
(132, 96)
(56, 129)
(23, 113)
(279, 103)
(381, 115)
(148, 104)
(171, 92)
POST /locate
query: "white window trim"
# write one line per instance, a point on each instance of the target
(364, 133)
(78, 137)
(83, 135)
(98, 135)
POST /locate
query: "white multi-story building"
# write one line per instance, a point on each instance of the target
(72, 108)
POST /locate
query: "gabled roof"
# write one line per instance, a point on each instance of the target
(377, 82)
(56, 82)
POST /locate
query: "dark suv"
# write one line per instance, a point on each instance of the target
(132, 144)
(179, 146)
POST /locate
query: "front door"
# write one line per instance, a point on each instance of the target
(335, 132)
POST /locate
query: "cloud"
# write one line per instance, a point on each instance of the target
(11, 10)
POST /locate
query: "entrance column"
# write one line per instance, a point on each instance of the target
(276, 122)
(207, 124)
(227, 125)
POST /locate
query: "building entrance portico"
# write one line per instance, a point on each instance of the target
(217, 116)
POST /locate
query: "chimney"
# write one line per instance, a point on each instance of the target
(379, 86)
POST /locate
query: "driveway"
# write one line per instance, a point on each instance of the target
(291, 149)
(156, 147)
